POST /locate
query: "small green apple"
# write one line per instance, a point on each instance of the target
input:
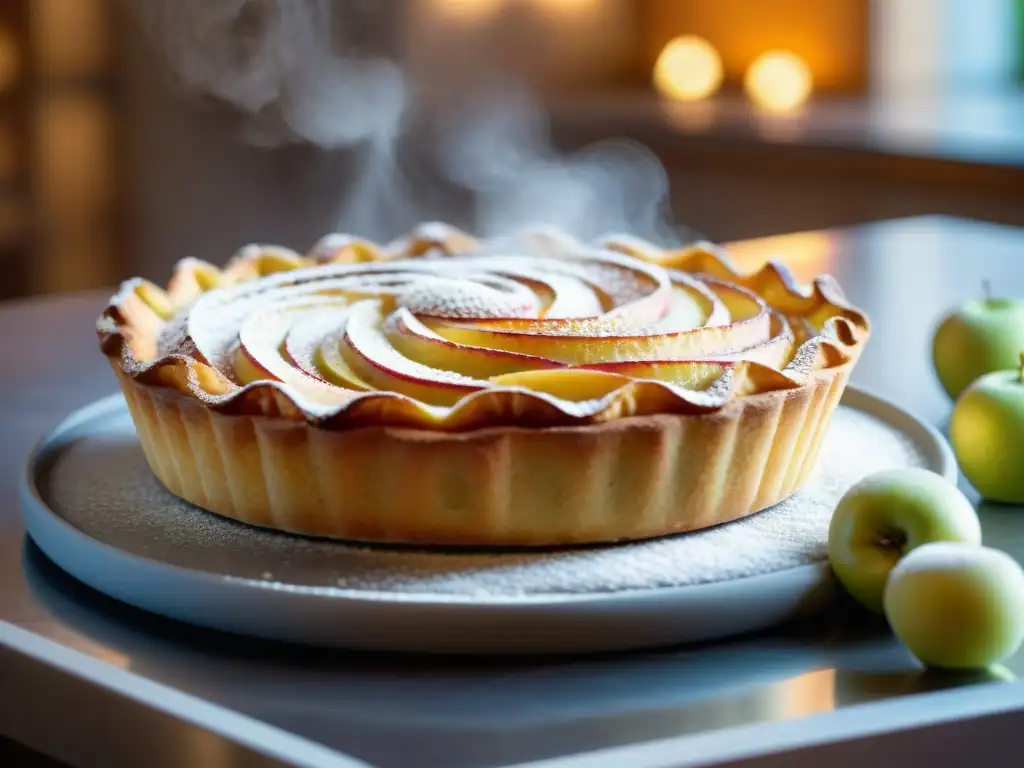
(886, 515)
(978, 337)
(957, 606)
(987, 433)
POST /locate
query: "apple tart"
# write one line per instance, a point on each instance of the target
(450, 391)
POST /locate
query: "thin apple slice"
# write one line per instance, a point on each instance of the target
(248, 370)
(313, 344)
(368, 352)
(561, 295)
(740, 303)
(416, 341)
(570, 297)
(583, 349)
(154, 297)
(695, 375)
(432, 237)
(469, 297)
(576, 321)
(776, 352)
(306, 336)
(623, 279)
(343, 249)
(597, 285)
(261, 356)
(334, 368)
(570, 384)
(692, 306)
(700, 373)
(192, 277)
(257, 260)
(694, 323)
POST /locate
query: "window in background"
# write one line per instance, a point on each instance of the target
(1019, 28)
(981, 42)
(928, 47)
(945, 76)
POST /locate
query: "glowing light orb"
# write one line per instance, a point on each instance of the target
(778, 81)
(688, 68)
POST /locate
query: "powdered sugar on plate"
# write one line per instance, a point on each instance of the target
(102, 485)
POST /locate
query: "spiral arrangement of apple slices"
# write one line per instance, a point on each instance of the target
(440, 331)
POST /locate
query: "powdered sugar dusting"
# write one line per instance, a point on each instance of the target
(309, 333)
(363, 334)
(102, 485)
(472, 299)
(595, 305)
(173, 338)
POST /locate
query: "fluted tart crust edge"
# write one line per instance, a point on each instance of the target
(632, 478)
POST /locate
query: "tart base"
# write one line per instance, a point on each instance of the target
(626, 479)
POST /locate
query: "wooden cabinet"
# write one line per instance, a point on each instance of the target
(15, 144)
(58, 168)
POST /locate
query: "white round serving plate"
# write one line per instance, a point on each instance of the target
(272, 608)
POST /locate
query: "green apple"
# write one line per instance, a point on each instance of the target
(987, 433)
(978, 337)
(885, 516)
(957, 606)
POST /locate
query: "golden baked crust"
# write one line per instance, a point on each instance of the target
(710, 408)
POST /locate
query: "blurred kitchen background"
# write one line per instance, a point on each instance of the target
(771, 117)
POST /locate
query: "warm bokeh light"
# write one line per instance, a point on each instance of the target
(778, 81)
(688, 68)
(469, 11)
(8, 60)
(810, 693)
(70, 638)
